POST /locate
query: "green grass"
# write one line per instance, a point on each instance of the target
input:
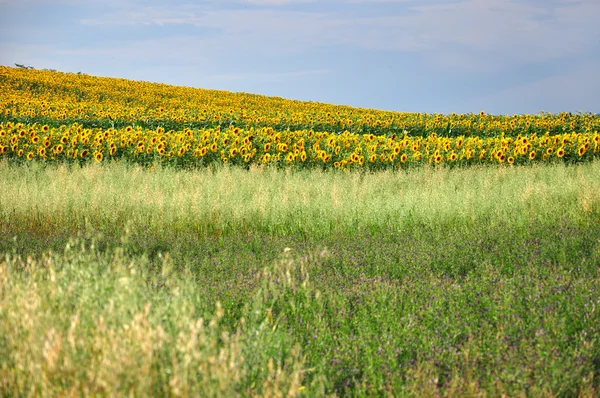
(118, 279)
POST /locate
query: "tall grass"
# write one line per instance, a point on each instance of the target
(272, 201)
(85, 322)
(124, 280)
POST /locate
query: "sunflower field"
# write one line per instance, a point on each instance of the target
(52, 116)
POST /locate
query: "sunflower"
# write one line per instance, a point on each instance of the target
(98, 156)
(404, 158)
(303, 156)
(560, 152)
(581, 150)
(84, 153)
(331, 141)
(30, 155)
(510, 160)
(45, 128)
(532, 155)
(289, 157)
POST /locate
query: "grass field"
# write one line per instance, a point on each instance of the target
(118, 279)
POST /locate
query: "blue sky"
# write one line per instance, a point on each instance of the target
(500, 56)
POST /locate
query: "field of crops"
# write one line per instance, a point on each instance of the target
(67, 117)
(171, 241)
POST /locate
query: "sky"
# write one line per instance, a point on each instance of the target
(433, 56)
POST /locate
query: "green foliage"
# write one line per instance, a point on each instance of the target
(123, 280)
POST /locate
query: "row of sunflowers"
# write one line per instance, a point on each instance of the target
(301, 148)
(54, 98)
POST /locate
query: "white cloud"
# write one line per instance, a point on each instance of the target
(472, 34)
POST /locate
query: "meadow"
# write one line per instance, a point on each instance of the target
(176, 276)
